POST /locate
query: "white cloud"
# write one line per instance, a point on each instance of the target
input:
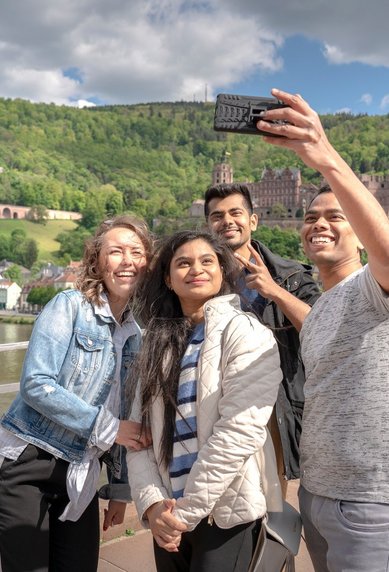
(384, 104)
(48, 86)
(367, 98)
(84, 103)
(351, 30)
(344, 110)
(164, 50)
(127, 52)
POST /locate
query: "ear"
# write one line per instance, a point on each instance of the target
(168, 283)
(254, 221)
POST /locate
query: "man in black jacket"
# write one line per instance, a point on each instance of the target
(281, 292)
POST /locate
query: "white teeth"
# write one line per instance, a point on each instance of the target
(320, 240)
(125, 274)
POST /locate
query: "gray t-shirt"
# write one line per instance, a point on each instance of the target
(345, 350)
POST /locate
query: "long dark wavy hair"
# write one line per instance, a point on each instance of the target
(168, 330)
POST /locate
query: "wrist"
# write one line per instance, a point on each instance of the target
(151, 508)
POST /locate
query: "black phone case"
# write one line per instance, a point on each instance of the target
(240, 113)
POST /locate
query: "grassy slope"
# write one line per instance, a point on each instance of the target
(44, 235)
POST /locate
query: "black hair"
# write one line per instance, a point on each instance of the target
(324, 189)
(168, 330)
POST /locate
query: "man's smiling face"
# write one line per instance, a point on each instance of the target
(326, 234)
(231, 220)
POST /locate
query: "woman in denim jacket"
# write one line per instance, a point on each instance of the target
(70, 411)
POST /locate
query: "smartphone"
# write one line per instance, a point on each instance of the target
(240, 113)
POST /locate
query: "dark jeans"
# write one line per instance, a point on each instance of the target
(32, 497)
(211, 549)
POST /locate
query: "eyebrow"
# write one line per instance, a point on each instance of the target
(330, 211)
(191, 258)
(240, 208)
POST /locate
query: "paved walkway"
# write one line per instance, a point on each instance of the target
(122, 553)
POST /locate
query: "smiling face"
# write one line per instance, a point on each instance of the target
(327, 236)
(231, 220)
(122, 258)
(195, 274)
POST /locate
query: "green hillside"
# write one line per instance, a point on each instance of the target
(44, 235)
(153, 159)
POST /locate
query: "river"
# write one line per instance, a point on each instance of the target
(11, 361)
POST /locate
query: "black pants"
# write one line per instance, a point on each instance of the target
(211, 549)
(32, 497)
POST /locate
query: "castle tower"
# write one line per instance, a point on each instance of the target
(222, 172)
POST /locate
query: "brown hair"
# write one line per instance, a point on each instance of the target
(90, 280)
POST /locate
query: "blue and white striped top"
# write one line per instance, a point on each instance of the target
(185, 448)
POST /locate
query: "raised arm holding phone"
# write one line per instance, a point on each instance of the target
(344, 497)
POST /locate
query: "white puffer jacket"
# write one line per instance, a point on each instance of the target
(238, 377)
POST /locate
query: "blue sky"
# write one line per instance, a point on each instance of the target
(329, 87)
(87, 52)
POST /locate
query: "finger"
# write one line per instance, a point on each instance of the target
(169, 503)
(169, 546)
(175, 525)
(287, 131)
(256, 256)
(246, 263)
(107, 518)
(133, 444)
(294, 100)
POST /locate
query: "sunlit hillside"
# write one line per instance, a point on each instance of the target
(45, 235)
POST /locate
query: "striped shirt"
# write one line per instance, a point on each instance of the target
(185, 447)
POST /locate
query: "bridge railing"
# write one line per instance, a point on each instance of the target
(11, 387)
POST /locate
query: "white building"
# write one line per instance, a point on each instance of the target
(9, 294)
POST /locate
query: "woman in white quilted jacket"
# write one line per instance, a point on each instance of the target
(209, 376)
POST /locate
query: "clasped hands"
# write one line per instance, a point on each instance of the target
(166, 529)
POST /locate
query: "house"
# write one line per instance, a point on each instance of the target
(9, 294)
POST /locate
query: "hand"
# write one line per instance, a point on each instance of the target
(165, 528)
(114, 514)
(130, 434)
(303, 133)
(259, 278)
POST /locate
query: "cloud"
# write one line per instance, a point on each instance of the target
(84, 103)
(166, 50)
(384, 104)
(350, 30)
(127, 52)
(366, 98)
(343, 110)
(37, 85)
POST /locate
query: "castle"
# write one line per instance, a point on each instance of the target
(280, 194)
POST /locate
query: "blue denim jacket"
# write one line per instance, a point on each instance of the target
(66, 378)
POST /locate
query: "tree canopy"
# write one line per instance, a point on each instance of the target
(152, 159)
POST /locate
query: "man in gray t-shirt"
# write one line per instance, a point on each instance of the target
(344, 497)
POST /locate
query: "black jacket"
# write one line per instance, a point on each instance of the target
(297, 279)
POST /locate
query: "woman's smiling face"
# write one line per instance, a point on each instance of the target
(121, 260)
(195, 274)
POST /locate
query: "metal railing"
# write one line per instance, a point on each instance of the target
(11, 387)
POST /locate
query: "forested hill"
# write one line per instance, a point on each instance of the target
(153, 159)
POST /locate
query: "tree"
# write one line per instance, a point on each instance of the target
(14, 273)
(30, 253)
(4, 247)
(279, 211)
(38, 214)
(40, 295)
(73, 243)
(285, 242)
